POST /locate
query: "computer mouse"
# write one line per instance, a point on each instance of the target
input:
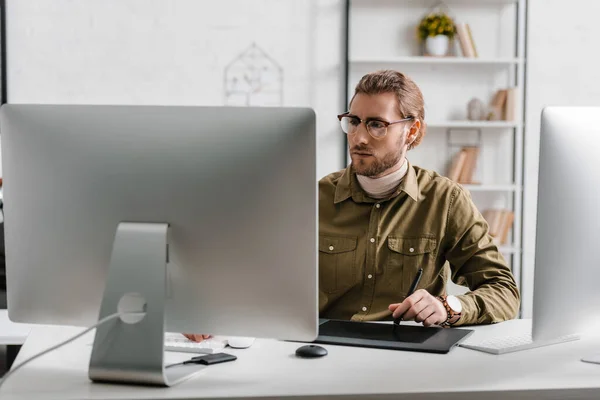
(311, 351)
(240, 342)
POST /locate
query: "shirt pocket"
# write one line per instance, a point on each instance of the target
(337, 263)
(405, 257)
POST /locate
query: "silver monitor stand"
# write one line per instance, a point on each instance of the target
(130, 349)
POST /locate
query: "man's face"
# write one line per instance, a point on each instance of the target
(372, 157)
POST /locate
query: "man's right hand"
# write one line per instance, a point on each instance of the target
(196, 338)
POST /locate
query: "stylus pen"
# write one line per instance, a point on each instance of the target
(412, 289)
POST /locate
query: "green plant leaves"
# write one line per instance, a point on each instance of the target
(436, 24)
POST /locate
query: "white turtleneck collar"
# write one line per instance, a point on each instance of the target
(380, 188)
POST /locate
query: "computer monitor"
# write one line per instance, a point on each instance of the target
(566, 273)
(566, 296)
(205, 216)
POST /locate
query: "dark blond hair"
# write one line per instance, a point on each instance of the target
(410, 98)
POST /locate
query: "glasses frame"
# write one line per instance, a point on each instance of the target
(366, 121)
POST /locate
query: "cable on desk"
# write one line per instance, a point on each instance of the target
(30, 359)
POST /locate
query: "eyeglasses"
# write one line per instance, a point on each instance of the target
(377, 128)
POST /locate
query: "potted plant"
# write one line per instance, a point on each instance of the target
(436, 30)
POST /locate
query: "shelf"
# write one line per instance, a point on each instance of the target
(479, 2)
(473, 124)
(437, 60)
(491, 188)
(509, 250)
(450, 2)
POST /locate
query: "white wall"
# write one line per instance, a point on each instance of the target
(174, 52)
(562, 69)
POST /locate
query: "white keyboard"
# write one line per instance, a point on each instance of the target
(508, 344)
(179, 343)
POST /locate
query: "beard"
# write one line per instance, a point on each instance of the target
(376, 167)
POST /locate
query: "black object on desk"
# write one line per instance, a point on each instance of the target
(311, 351)
(210, 359)
(380, 336)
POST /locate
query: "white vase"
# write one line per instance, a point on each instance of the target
(437, 45)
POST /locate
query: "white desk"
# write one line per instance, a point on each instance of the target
(12, 333)
(270, 369)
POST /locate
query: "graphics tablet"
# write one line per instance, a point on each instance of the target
(384, 336)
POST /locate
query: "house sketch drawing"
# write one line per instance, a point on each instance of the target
(253, 78)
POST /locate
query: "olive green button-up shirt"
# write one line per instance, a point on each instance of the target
(370, 250)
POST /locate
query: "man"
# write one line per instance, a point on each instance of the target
(382, 219)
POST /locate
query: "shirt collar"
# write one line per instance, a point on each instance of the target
(348, 186)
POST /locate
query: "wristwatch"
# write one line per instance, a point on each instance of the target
(453, 308)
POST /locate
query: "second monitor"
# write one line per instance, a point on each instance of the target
(565, 294)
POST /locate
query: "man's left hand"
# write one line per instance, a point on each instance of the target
(420, 307)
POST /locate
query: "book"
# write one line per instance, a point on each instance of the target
(464, 39)
(472, 41)
(457, 165)
(468, 171)
(507, 222)
(510, 109)
(496, 223)
(500, 222)
(463, 165)
(498, 105)
(503, 105)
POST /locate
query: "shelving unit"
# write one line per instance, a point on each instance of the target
(473, 124)
(439, 60)
(454, 2)
(492, 188)
(509, 250)
(381, 35)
